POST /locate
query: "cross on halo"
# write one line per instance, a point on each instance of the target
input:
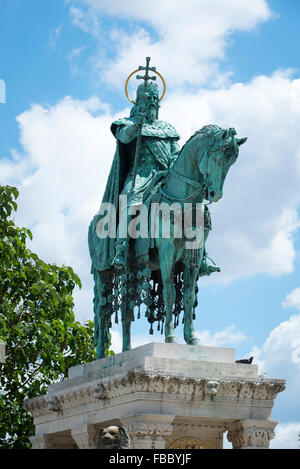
(146, 77)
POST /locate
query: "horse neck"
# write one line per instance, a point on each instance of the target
(185, 165)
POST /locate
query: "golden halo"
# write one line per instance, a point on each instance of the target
(157, 73)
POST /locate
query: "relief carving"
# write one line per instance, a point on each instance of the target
(142, 382)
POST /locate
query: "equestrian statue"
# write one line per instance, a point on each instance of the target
(147, 242)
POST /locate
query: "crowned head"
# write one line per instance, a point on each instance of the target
(147, 96)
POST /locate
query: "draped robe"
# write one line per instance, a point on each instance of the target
(159, 148)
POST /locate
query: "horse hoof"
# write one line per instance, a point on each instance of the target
(194, 342)
(171, 340)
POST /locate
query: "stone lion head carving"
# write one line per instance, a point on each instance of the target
(113, 437)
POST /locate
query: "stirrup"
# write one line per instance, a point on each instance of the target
(120, 260)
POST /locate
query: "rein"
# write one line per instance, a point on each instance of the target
(199, 187)
(183, 178)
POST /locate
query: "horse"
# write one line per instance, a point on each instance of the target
(197, 176)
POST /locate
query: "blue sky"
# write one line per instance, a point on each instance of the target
(225, 62)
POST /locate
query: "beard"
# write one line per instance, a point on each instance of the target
(151, 114)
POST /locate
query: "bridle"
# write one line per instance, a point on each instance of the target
(199, 188)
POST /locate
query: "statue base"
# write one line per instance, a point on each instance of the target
(164, 396)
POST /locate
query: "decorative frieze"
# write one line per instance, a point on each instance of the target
(211, 388)
(188, 443)
(191, 432)
(37, 406)
(134, 382)
(203, 388)
(54, 404)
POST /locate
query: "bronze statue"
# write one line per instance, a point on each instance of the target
(150, 260)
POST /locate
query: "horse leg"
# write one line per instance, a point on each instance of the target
(101, 328)
(126, 314)
(190, 278)
(166, 253)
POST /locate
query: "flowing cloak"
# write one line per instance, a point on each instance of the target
(102, 250)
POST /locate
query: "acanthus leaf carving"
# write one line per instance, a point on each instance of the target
(140, 381)
(251, 434)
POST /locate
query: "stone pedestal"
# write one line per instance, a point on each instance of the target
(164, 395)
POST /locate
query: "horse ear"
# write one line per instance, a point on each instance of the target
(224, 135)
(241, 141)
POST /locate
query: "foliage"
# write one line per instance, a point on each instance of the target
(37, 323)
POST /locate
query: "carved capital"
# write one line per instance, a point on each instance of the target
(60, 440)
(86, 437)
(148, 430)
(247, 434)
(41, 442)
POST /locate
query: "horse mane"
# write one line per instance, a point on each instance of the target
(210, 130)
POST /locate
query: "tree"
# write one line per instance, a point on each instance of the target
(37, 323)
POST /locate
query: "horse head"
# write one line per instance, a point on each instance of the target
(218, 151)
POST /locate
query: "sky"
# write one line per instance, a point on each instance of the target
(63, 66)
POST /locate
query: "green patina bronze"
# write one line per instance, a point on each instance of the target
(157, 272)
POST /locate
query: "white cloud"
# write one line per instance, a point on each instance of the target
(279, 357)
(55, 36)
(228, 337)
(274, 357)
(74, 59)
(286, 436)
(68, 149)
(254, 223)
(283, 345)
(86, 21)
(136, 339)
(61, 176)
(116, 341)
(2, 91)
(185, 39)
(292, 299)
